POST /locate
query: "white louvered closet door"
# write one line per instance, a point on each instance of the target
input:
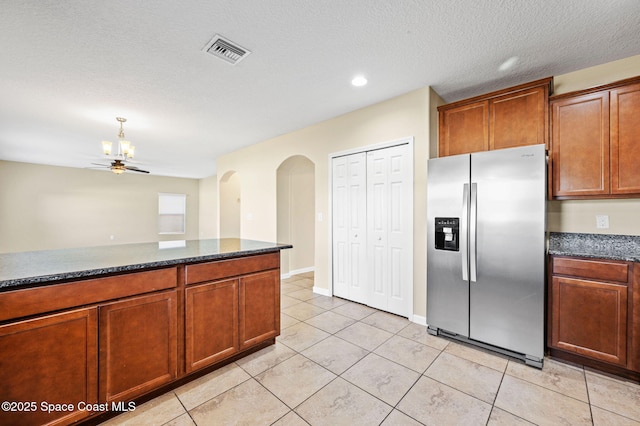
(349, 227)
(389, 229)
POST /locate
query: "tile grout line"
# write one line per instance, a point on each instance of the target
(392, 334)
(185, 409)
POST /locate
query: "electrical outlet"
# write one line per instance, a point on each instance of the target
(602, 221)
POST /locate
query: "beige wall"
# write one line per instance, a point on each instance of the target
(597, 76)
(296, 210)
(208, 212)
(580, 216)
(229, 189)
(48, 207)
(403, 116)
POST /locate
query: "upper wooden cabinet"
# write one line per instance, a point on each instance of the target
(580, 145)
(512, 117)
(463, 129)
(595, 142)
(625, 139)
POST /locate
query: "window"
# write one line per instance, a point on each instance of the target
(172, 210)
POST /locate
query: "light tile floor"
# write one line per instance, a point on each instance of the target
(341, 363)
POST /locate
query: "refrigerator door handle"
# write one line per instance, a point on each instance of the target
(473, 234)
(464, 234)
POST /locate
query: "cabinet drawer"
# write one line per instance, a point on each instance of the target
(31, 301)
(595, 269)
(216, 270)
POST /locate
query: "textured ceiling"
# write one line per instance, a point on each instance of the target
(70, 67)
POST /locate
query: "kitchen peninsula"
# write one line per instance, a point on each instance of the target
(89, 331)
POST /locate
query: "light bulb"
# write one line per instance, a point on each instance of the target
(106, 147)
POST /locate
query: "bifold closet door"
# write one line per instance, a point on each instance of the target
(349, 211)
(389, 216)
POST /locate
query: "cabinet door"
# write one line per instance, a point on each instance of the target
(519, 119)
(634, 362)
(259, 307)
(625, 140)
(138, 345)
(590, 319)
(464, 129)
(211, 323)
(53, 359)
(580, 145)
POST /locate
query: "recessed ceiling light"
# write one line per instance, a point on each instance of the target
(508, 64)
(359, 81)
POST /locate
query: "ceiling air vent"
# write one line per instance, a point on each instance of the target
(226, 49)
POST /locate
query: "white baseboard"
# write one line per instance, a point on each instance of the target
(419, 319)
(302, 270)
(297, 272)
(322, 291)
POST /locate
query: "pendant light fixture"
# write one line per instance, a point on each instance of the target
(125, 149)
(124, 153)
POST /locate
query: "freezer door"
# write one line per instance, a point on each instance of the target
(507, 248)
(447, 268)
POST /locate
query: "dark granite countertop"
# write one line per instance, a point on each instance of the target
(27, 269)
(602, 246)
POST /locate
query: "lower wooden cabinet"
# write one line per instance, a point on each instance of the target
(211, 323)
(223, 318)
(591, 310)
(49, 360)
(590, 319)
(259, 307)
(122, 348)
(138, 345)
(634, 362)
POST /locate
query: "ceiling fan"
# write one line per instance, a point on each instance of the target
(125, 153)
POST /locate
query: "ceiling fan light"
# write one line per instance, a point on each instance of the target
(106, 147)
(125, 152)
(124, 145)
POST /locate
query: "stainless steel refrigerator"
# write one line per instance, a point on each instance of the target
(486, 249)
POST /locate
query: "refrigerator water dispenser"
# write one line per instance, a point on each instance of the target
(447, 233)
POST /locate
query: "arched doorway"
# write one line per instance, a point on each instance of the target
(296, 213)
(230, 205)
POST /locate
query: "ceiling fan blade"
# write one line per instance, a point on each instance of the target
(135, 169)
(103, 165)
